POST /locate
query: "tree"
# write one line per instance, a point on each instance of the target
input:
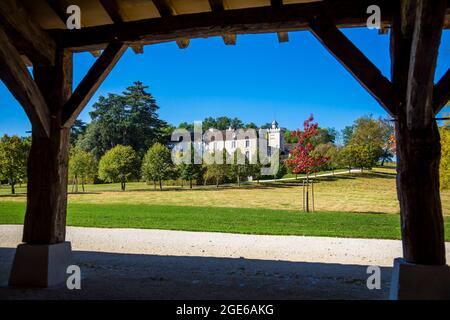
(119, 165)
(190, 171)
(374, 136)
(157, 164)
(359, 156)
(130, 118)
(444, 168)
(238, 171)
(302, 159)
(13, 159)
(77, 131)
(82, 167)
(216, 171)
(347, 133)
(328, 151)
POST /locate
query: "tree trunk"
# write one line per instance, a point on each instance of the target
(160, 185)
(190, 183)
(45, 217)
(13, 189)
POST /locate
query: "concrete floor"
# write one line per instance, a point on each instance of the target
(138, 276)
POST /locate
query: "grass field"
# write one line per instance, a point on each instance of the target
(350, 205)
(372, 192)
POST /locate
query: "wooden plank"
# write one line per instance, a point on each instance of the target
(267, 19)
(364, 71)
(16, 77)
(29, 38)
(441, 94)
(90, 83)
(283, 37)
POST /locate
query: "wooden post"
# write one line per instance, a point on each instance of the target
(45, 218)
(416, 33)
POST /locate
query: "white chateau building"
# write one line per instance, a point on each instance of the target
(244, 139)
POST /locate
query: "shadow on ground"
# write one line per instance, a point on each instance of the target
(133, 276)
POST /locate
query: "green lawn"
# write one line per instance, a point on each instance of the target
(234, 220)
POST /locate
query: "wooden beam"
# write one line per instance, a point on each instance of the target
(441, 93)
(364, 71)
(90, 83)
(47, 170)
(183, 43)
(267, 19)
(16, 77)
(283, 37)
(58, 9)
(216, 5)
(425, 46)
(416, 38)
(112, 9)
(29, 38)
(164, 8)
(229, 39)
(276, 3)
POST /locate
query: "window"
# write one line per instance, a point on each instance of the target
(233, 144)
(247, 142)
(247, 155)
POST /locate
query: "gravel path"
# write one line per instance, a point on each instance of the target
(159, 264)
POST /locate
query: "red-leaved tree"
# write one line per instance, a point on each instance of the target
(301, 158)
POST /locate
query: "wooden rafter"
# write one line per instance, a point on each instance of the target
(166, 9)
(58, 9)
(364, 71)
(16, 77)
(112, 8)
(441, 94)
(90, 83)
(276, 3)
(28, 36)
(240, 21)
(216, 5)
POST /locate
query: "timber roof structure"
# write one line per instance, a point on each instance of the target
(140, 22)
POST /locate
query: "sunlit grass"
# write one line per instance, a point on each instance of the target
(370, 191)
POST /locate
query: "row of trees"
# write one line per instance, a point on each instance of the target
(122, 164)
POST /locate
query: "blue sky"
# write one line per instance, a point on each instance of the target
(257, 80)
